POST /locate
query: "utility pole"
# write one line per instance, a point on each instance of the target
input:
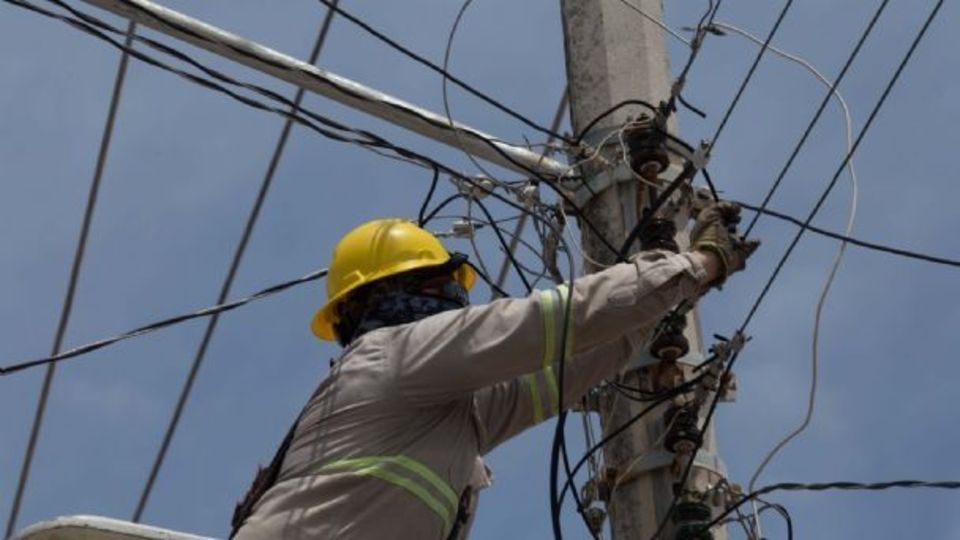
(615, 54)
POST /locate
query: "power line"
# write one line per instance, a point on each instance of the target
(863, 131)
(370, 141)
(750, 72)
(816, 117)
(551, 132)
(161, 324)
(854, 241)
(831, 486)
(74, 279)
(229, 279)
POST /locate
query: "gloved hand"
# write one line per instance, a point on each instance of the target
(716, 232)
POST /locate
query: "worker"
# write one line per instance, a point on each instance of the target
(390, 445)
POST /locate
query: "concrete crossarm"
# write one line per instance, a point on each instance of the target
(330, 85)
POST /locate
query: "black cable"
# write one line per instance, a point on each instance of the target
(439, 70)
(372, 140)
(426, 200)
(863, 131)
(664, 397)
(753, 69)
(827, 486)
(443, 204)
(488, 281)
(696, 45)
(862, 243)
(399, 150)
(67, 307)
(241, 248)
(159, 325)
(590, 125)
(504, 245)
(816, 116)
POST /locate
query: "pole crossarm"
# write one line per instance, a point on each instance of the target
(330, 85)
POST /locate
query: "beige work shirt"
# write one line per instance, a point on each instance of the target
(392, 440)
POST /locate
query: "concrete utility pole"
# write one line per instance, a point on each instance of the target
(615, 54)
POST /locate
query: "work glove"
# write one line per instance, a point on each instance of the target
(716, 232)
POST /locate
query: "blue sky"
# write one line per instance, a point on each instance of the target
(186, 163)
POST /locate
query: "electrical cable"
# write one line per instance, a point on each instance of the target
(854, 241)
(551, 132)
(863, 131)
(250, 224)
(504, 245)
(372, 141)
(750, 72)
(522, 222)
(832, 92)
(426, 200)
(830, 486)
(161, 324)
(696, 44)
(67, 307)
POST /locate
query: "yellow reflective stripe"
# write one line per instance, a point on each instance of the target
(376, 466)
(531, 380)
(548, 307)
(552, 389)
(430, 476)
(564, 292)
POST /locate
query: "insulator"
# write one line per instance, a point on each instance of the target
(670, 343)
(648, 148)
(659, 233)
(693, 531)
(688, 511)
(690, 518)
(684, 433)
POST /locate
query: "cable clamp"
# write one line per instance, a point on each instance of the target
(701, 156)
(476, 188)
(661, 459)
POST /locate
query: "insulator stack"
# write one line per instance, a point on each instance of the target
(690, 518)
(683, 435)
(647, 144)
(670, 343)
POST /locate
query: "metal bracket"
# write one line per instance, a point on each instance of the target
(585, 190)
(659, 459)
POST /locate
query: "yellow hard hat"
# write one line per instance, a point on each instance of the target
(376, 250)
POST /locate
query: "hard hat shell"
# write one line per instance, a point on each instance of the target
(376, 250)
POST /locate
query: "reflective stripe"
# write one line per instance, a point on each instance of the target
(531, 380)
(377, 466)
(557, 337)
(564, 294)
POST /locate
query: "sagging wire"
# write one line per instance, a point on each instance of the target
(854, 241)
(421, 220)
(161, 324)
(371, 141)
(67, 308)
(378, 142)
(753, 310)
